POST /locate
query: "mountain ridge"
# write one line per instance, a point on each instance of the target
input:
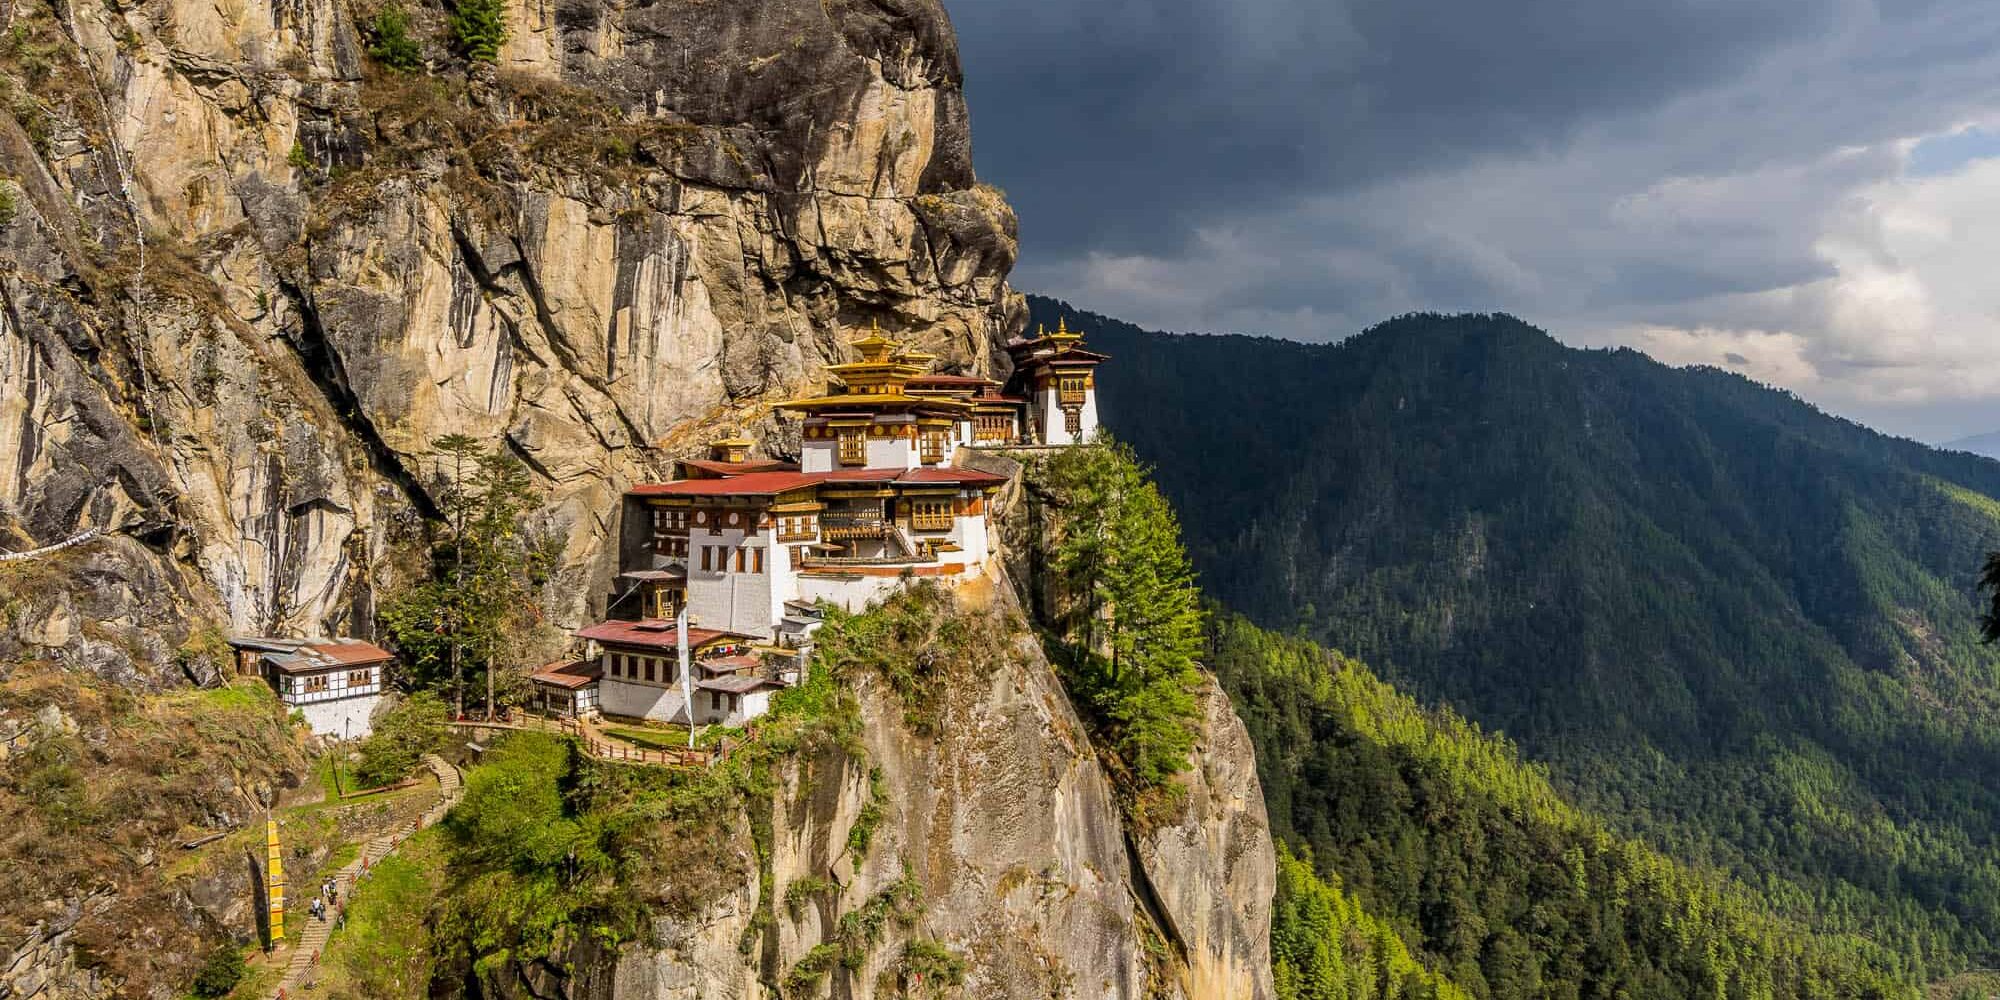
(1739, 627)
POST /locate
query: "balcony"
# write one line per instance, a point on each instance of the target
(852, 527)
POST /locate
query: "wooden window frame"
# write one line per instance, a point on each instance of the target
(850, 446)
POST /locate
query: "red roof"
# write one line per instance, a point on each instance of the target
(749, 484)
(730, 664)
(567, 674)
(883, 475)
(654, 633)
(736, 684)
(350, 652)
(951, 474)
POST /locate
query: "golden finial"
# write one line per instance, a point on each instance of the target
(1062, 324)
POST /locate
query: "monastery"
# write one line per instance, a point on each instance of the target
(725, 567)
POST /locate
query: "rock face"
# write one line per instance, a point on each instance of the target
(1004, 832)
(644, 226)
(1213, 872)
(247, 275)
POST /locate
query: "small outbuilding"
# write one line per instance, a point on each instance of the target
(568, 688)
(336, 684)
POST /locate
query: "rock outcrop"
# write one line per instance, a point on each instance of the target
(250, 274)
(993, 834)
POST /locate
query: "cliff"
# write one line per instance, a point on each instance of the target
(250, 274)
(968, 818)
(247, 275)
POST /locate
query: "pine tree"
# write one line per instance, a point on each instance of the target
(479, 28)
(479, 607)
(392, 45)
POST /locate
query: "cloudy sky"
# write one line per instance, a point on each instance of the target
(1808, 193)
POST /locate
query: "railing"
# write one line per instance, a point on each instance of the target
(852, 526)
(617, 753)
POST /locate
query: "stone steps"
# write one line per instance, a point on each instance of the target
(301, 972)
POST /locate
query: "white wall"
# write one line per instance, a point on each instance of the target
(892, 452)
(818, 455)
(851, 593)
(341, 717)
(642, 701)
(1055, 429)
(737, 602)
(969, 531)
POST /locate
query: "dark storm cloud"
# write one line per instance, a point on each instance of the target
(1185, 108)
(1791, 183)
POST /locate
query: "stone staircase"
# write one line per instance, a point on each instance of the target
(301, 973)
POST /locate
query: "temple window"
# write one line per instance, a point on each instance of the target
(853, 451)
(930, 515)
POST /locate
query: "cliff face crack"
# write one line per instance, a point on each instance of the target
(322, 365)
(475, 265)
(1148, 897)
(546, 317)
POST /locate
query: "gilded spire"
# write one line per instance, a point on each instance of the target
(1063, 337)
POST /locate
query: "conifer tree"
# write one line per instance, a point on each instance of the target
(479, 28)
(392, 44)
(1127, 607)
(479, 606)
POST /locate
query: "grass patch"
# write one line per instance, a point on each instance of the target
(385, 949)
(671, 737)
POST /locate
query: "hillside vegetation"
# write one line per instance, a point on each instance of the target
(1738, 628)
(1452, 868)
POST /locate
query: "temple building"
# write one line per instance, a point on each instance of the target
(1058, 378)
(751, 547)
(335, 684)
(638, 673)
(567, 689)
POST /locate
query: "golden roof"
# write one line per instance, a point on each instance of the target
(884, 365)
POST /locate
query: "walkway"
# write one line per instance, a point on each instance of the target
(601, 745)
(306, 949)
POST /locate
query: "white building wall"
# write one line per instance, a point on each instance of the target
(1055, 428)
(748, 602)
(892, 453)
(969, 531)
(343, 718)
(817, 455)
(848, 592)
(642, 701)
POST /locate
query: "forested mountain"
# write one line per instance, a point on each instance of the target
(1737, 627)
(1448, 867)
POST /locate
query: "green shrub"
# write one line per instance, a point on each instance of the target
(479, 28)
(392, 45)
(929, 967)
(417, 725)
(220, 972)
